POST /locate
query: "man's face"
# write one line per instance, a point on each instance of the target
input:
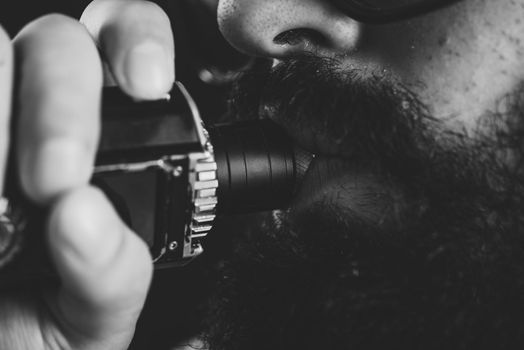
(409, 226)
(461, 59)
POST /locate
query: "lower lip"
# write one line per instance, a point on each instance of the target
(346, 187)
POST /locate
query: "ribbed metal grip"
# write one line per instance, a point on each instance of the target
(258, 166)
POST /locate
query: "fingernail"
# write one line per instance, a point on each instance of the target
(57, 166)
(149, 70)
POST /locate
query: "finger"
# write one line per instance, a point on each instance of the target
(6, 77)
(135, 38)
(105, 268)
(58, 102)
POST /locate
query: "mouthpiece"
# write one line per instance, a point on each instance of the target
(258, 166)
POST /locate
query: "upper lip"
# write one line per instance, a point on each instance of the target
(308, 134)
(320, 144)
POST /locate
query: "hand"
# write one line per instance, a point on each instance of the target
(105, 269)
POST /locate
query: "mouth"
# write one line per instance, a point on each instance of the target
(311, 135)
(348, 192)
(343, 121)
(342, 188)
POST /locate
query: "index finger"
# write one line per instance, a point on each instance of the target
(58, 106)
(136, 40)
(6, 77)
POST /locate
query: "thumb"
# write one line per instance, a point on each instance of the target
(104, 267)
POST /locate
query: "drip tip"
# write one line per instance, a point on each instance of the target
(258, 166)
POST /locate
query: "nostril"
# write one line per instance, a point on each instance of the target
(283, 28)
(294, 37)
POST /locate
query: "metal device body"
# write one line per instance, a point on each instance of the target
(156, 163)
(168, 177)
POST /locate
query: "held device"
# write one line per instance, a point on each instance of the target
(168, 176)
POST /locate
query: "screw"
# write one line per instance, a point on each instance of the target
(173, 245)
(177, 171)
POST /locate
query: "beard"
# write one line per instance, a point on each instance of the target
(430, 255)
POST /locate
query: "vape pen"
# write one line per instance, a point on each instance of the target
(169, 176)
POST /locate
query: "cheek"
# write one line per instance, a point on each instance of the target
(460, 60)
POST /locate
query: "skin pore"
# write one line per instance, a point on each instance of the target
(460, 60)
(408, 229)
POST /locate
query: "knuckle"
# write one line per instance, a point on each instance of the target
(6, 48)
(4, 38)
(55, 44)
(6, 84)
(140, 7)
(47, 24)
(110, 19)
(54, 19)
(138, 11)
(52, 29)
(57, 167)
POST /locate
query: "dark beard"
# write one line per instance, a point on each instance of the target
(448, 274)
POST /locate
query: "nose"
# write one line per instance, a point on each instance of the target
(280, 28)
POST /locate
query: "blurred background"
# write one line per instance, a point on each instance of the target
(206, 64)
(15, 14)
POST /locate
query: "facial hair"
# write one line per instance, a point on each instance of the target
(447, 272)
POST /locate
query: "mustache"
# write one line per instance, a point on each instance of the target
(368, 112)
(448, 176)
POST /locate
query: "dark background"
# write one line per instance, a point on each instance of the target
(173, 310)
(15, 14)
